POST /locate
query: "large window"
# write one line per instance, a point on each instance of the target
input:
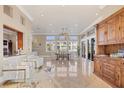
(59, 43)
(50, 43)
(73, 43)
(50, 46)
(62, 45)
(73, 38)
(50, 38)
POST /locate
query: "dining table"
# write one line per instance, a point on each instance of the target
(62, 56)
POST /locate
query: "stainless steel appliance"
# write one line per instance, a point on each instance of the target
(5, 48)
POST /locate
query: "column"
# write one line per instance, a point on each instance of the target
(86, 43)
(1, 49)
(1, 39)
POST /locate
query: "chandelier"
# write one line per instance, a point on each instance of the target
(64, 34)
(64, 31)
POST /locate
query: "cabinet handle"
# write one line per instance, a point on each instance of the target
(105, 33)
(117, 77)
(122, 63)
(100, 67)
(119, 28)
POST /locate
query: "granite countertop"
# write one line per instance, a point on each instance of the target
(106, 56)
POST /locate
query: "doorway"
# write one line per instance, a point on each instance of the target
(90, 48)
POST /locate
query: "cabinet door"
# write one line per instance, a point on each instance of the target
(118, 77)
(117, 30)
(111, 30)
(97, 67)
(121, 28)
(102, 34)
(109, 72)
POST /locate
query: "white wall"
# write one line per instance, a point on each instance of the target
(1, 50)
(1, 41)
(14, 22)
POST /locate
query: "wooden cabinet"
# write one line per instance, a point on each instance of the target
(111, 30)
(121, 27)
(102, 34)
(110, 39)
(110, 70)
(122, 77)
(20, 40)
(118, 76)
(97, 66)
(117, 30)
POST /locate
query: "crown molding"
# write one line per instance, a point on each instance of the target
(36, 33)
(93, 24)
(102, 6)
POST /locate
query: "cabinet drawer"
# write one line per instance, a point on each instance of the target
(108, 78)
(120, 62)
(108, 72)
(108, 66)
(112, 80)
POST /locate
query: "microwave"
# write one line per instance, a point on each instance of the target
(5, 42)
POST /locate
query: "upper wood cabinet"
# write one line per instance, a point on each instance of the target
(111, 30)
(121, 27)
(117, 29)
(102, 33)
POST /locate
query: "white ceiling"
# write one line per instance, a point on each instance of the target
(51, 19)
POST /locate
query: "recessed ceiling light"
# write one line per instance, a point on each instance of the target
(96, 14)
(50, 24)
(76, 25)
(38, 28)
(42, 14)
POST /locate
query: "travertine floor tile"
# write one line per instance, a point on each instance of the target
(65, 74)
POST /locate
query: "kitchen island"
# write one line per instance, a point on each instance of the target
(14, 58)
